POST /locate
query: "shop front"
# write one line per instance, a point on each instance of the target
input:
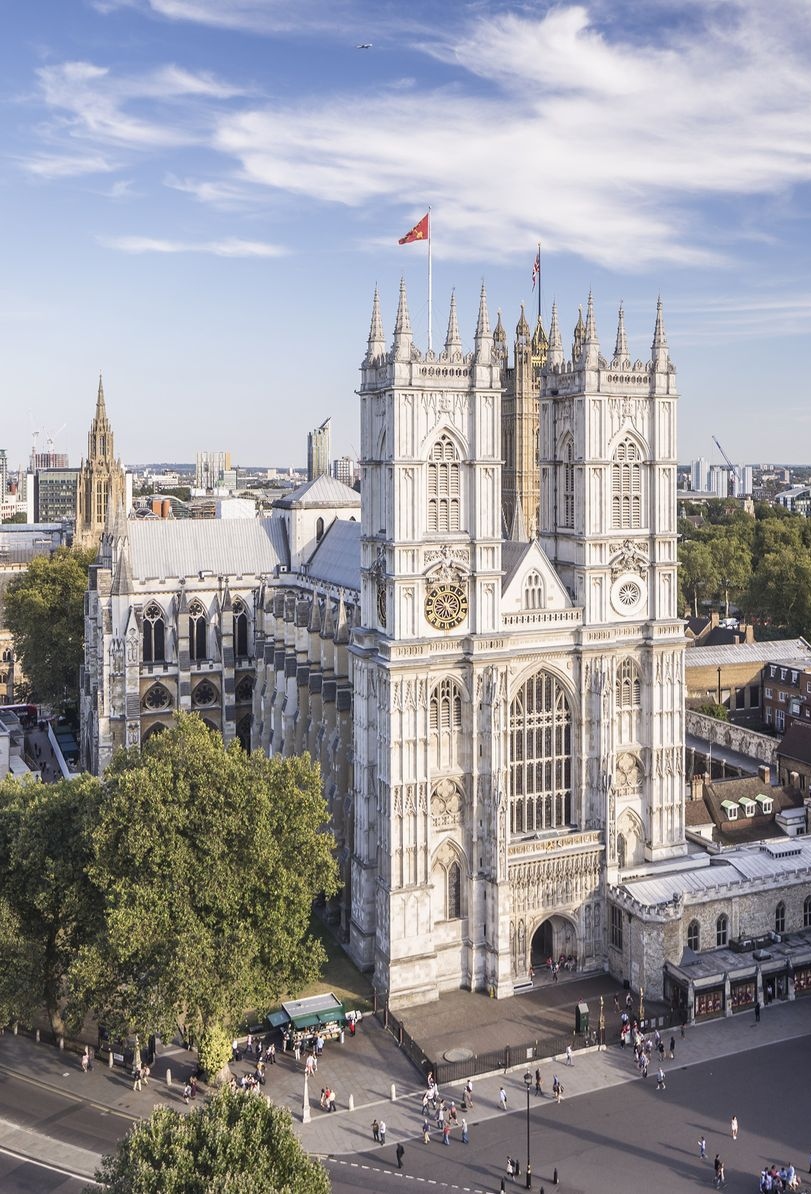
(743, 994)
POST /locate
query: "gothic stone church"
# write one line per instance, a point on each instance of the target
(498, 715)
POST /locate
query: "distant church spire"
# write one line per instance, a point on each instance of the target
(453, 341)
(621, 346)
(483, 340)
(591, 345)
(402, 327)
(660, 356)
(376, 346)
(101, 410)
(579, 331)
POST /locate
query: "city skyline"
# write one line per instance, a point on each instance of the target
(200, 199)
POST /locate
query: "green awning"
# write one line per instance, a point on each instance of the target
(305, 1022)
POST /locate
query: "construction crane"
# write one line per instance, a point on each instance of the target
(734, 471)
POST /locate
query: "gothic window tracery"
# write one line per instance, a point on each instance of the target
(722, 930)
(693, 936)
(454, 891)
(626, 478)
(540, 756)
(534, 591)
(154, 634)
(444, 486)
(244, 690)
(567, 486)
(197, 631)
(628, 699)
(204, 694)
(445, 723)
(157, 697)
(240, 629)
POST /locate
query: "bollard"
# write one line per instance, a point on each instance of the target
(110, 1058)
(393, 1093)
(61, 1042)
(168, 1076)
(14, 1029)
(352, 1102)
(36, 1036)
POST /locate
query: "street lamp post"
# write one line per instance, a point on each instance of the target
(527, 1084)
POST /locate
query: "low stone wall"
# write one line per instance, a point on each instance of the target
(723, 733)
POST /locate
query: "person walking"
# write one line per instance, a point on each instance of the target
(375, 1131)
(510, 1170)
(465, 1137)
(446, 1135)
(672, 1047)
(538, 1083)
(186, 1094)
(502, 1098)
(757, 1011)
(136, 1074)
(660, 1079)
(733, 1127)
(426, 1132)
(702, 1148)
(399, 1152)
(85, 1061)
(381, 1131)
(569, 1060)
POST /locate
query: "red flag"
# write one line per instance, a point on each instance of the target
(418, 232)
(536, 269)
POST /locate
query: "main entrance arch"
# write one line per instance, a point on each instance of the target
(554, 938)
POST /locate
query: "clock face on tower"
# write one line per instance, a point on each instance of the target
(446, 606)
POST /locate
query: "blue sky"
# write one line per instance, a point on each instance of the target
(199, 196)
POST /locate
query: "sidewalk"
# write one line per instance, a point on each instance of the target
(366, 1066)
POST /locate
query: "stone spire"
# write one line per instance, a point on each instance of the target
(591, 345)
(314, 624)
(621, 346)
(522, 329)
(500, 339)
(660, 358)
(402, 327)
(376, 346)
(453, 341)
(554, 355)
(483, 340)
(101, 410)
(328, 621)
(540, 344)
(579, 333)
(518, 531)
(341, 623)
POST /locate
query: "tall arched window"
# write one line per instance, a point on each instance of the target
(454, 891)
(722, 930)
(154, 634)
(621, 849)
(567, 486)
(445, 724)
(693, 936)
(319, 530)
(197, 631)
(807, 913)
(540, 756)
(780, 918)
(626, 487)
(240, 629)
(533, 591)
(628, 699)
(444, 486)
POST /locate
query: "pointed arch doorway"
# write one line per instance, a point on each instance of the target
(554, 938)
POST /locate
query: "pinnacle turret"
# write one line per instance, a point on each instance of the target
(376, 346)
(540, 344)
(591, 346)
(554, 355)
(579, 335)
(621, 346)
(660, 356)
(483, 340)
(522, 328)
(499, 339)
(101, 410)
(453, 341)
(402, 327)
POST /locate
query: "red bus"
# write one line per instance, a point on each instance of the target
(26, 714)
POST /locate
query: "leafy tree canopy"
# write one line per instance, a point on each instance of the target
(236, 1143)
(44, 610)
(209, 860)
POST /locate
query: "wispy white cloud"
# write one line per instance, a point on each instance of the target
(225, 194)
(66, 165)
(228, 247)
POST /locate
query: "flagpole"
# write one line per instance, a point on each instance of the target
(429, 278)
(539, 281)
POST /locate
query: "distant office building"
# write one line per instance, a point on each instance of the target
(344, 470)
(3, 473)
(797, 499)
(719, 480)
(39, 460)
(51, 495)
(700, 475)
(319, 451)
(210, 469)
(743, 481)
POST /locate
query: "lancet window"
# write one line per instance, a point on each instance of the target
(444, 485)
(626, 497)
(154, 634)
(540, 756)
(197, 631)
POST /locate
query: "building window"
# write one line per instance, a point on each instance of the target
(454, 891)
(319, 530)
(533, 591)
(780, 720)
(807, 913)
(445, 724)
(540, 756)
(157, 697)
(693, 936)
(615, 926)
(444, 485)
(780, 918)
(240, 629)
(621, 850)
(154, 634)
(244, 690)
(722, 930)
(204, 694)
(197, 631)
(628, 699)
(626, 489)
(567, 470)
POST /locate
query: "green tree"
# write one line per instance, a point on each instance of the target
(780, 591)
(236, 1143)
(45, 613)
(48, 906)
(732, 562)
(209, 859)
(697, 571)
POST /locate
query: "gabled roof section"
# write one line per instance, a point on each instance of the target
(336, 560)
(796, 743)
(162, 549)
(518, 561)
(323, 492)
